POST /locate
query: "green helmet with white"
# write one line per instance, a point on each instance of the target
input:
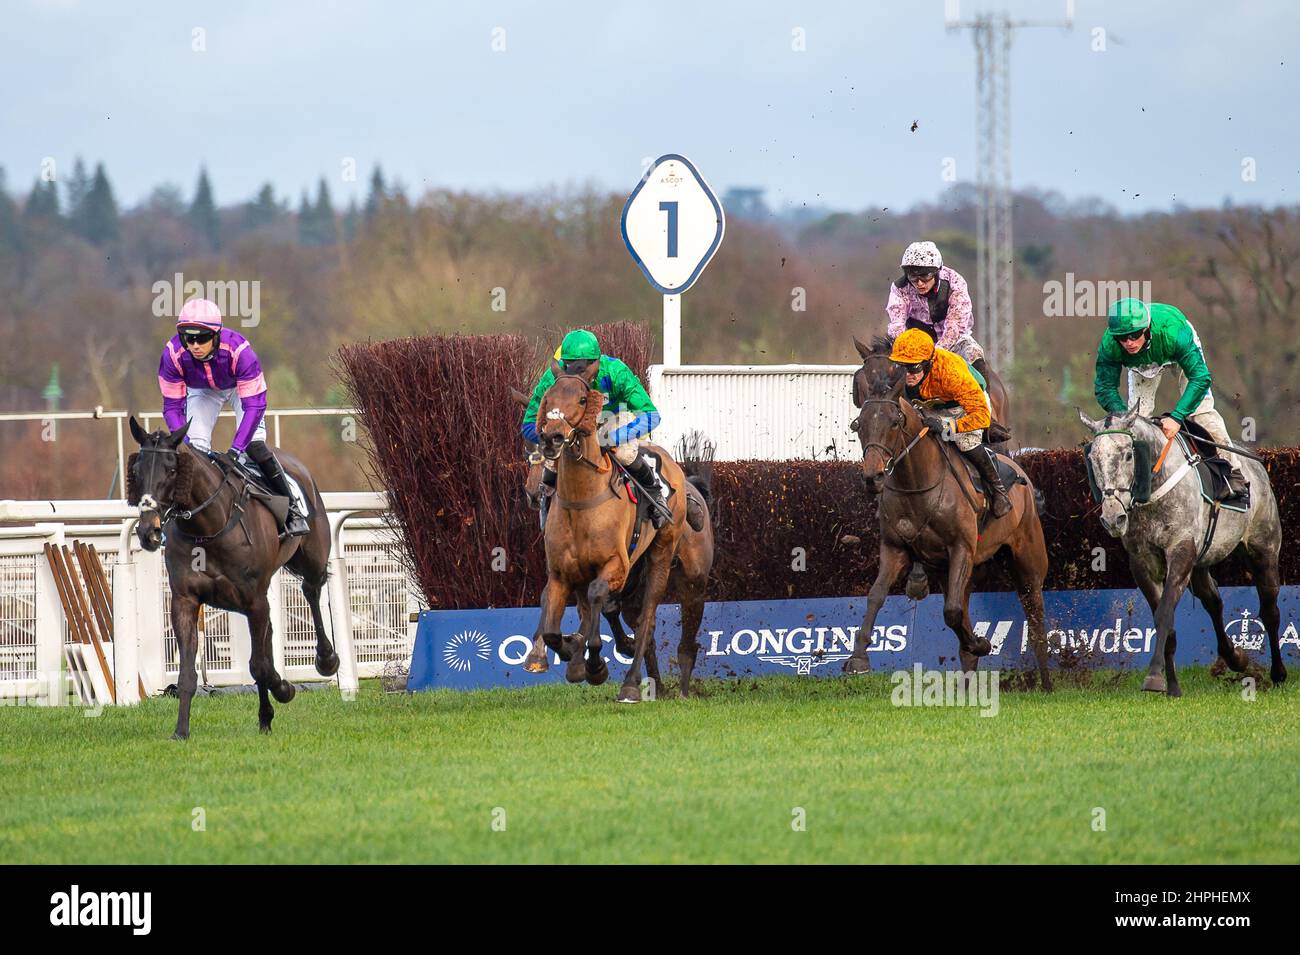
(1126, 316)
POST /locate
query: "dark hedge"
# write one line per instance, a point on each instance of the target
(443, 440)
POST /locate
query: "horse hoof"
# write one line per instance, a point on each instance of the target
(536, 664)
(328, 666)
(1175, 690)
(1154, 684)
(265, 729)
(178, 735)
(1278, 676)
(857, 665)
(575, 672)
(284, 691)
(629, 694)
(597, 677)
(981, 647)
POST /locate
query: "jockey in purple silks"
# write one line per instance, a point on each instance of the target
(204, 366)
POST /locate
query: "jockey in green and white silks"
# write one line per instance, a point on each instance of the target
(628, 416)
(1147, 338)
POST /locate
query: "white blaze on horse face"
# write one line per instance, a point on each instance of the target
(147, 503)
(555, 414)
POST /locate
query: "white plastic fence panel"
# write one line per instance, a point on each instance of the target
(766, 412)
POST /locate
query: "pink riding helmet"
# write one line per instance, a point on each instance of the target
(200, 313)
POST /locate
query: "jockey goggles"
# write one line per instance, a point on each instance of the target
(1131, 336)
(197, 338)
(918, 272)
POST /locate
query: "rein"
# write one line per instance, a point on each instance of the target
(174, 513)
(573, 447)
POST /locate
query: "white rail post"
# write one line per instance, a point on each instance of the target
(275, 601)
(149, 616)
(49, 621)
(341, 606)
(126, 617)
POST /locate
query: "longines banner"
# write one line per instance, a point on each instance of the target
(472, 649)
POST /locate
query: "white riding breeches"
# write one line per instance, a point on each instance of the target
(202, 405)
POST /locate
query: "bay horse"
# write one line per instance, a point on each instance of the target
(1174, 537)
(588, 529)
(223, 553)
(927, 516)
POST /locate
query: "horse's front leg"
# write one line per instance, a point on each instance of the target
(185, 625)
(893, 561)
(555, 597)
(1179, 562)
(956, 593)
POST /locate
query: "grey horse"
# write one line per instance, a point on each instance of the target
(1165, 538)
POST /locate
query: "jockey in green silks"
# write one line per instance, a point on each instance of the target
(1147, 338)
(628, 416)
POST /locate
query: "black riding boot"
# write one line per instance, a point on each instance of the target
(547, 492)
(1238, 484)
(295, 523)
(645, 475)
(982, 458)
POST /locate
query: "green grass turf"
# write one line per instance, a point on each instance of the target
(416, 778)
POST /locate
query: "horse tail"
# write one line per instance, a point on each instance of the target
(1040, 503)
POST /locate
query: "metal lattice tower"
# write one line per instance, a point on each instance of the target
(995, 247)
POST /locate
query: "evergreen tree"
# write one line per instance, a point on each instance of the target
(262, 210)
(203, 212)
(378, 192)
(351, 221)
(78, 186)
(43, 203)
(306, 217)
(11, 235)
(100, 210)
(326, 226)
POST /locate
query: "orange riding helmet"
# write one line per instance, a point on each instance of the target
(912, 347)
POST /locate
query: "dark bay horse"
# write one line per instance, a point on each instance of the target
(926, 516)
(222, 550)
(588, 528)
(1175, 537)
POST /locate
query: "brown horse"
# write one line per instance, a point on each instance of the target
(928, 516)
(588, 529)
(222, 551)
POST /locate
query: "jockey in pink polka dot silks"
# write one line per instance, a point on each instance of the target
(934, 298)
(205, 365)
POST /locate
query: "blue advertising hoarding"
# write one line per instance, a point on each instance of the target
(474, 649)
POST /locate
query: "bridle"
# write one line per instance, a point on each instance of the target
(892, 456)
(174, 512)
(1115, 492)
(572, 440)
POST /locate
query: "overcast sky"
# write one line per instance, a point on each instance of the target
(286, 91)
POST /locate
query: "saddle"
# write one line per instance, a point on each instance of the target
(1213, 470)
(1009, 476)
(277, 504)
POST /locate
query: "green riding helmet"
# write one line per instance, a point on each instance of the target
(580, 344)
(1127, 316)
